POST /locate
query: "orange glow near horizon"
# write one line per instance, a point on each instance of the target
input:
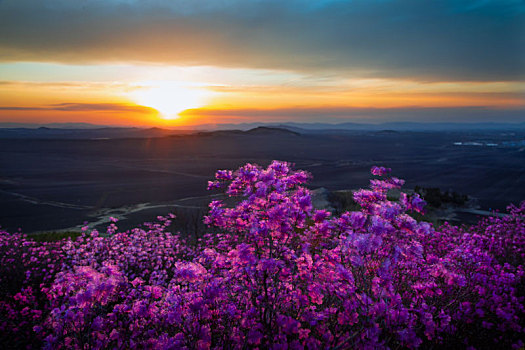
(191, 97)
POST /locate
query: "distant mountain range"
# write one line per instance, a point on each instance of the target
(54, 126)
(260, 130)
(123, 133)
(86, 133)
(90, 131)
(396, 126)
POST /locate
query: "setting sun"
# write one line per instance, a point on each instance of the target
(169, 98)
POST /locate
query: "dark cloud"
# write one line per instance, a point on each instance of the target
(421, 114)
(88, 107)
(431, 40)
(85, 107)
(14, 108)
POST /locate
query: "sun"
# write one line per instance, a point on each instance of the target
(169, 98)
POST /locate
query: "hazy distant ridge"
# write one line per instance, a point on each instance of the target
(91, 131)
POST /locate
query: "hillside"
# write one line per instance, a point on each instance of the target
(272, 269)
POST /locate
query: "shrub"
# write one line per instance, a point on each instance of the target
(274, 274)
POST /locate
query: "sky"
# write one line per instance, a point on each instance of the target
(190, 62)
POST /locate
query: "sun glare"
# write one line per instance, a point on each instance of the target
(169, 98)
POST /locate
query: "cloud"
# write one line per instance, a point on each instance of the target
(89, 107)
(65, 84)
(13, 108)
(85, 107)
(421, 114)
(428, 40)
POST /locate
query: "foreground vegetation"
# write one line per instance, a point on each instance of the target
(275, 273)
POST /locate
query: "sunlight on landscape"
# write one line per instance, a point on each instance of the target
(262, 174)
(169, 98)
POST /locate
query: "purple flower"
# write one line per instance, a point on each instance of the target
(380, 171)
(272, 273)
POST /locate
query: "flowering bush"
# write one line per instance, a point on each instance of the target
(276, 274)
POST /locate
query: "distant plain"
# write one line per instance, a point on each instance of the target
(49, 184)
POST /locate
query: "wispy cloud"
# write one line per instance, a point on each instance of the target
(85, 107)
(14, 108)
(67, 85)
